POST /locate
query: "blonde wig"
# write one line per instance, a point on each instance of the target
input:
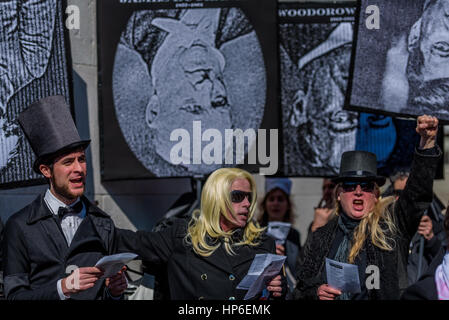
(204, 229)
(378, 225)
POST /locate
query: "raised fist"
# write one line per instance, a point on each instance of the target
(427, 128)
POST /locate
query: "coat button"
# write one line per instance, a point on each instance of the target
(204, 276)
(232, 277)
(231, 298)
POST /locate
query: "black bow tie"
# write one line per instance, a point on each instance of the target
(76, 209)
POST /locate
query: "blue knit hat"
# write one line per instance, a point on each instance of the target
(285, 184)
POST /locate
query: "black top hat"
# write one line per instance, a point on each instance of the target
(49, 127)
(359, 166)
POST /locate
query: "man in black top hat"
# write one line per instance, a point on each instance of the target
(52, 244)
(368, 231)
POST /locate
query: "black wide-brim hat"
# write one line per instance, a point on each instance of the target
(359, 166)
(49, 127)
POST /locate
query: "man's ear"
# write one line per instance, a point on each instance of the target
(45, 170)
(299, 113)
(415, 33)
(152, 111)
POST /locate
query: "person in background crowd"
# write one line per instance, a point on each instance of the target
(369, 230)
(434, 283)
(277, 206)
(59, 232)
(208, 256)
(323, 212)
(430, 229)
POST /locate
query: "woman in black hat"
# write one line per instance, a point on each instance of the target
(368, 231)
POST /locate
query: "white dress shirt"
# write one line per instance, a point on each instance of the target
(69, 224)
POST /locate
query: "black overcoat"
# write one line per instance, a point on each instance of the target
(392, 265)
(191, 276)
(36, 254)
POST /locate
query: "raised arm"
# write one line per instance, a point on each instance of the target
(418, 192)
(153, 248)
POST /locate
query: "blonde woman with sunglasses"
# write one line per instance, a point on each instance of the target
(207, 257)
(368, 231)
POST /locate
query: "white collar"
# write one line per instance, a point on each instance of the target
(54, 203)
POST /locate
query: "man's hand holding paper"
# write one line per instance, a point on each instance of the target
(112, 264)
(264, 270)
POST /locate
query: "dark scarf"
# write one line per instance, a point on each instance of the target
(347, 225)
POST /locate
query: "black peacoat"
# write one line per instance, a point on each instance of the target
(36, 254)
(191, 276)
(392, 265)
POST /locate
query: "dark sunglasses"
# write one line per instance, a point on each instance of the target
(238, 196)
(351, 186)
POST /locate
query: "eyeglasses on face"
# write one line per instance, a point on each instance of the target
(351, 186)
(238, 196)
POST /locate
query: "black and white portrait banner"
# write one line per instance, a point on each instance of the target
(315, 44)
(401, 59)
(186, 87)
(33, 65)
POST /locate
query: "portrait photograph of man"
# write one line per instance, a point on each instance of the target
(33, 63)
(194, 70)
(402, 67)
(315, 53)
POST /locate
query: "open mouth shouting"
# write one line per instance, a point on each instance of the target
(77, 182)
(357, 204)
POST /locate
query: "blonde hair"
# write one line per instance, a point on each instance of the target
(375, 225)
(215, 203)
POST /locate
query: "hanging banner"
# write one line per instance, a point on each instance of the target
(33, 65)
(315, 52)
(401, 64)
(186, 86)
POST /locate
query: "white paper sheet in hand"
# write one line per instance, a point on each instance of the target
(263, 268)
(113, 263)
(343, 276)
(279, 230)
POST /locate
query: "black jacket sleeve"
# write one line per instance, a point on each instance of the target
(418, 192)
(16, 269)
(153, 248)
(431, 248)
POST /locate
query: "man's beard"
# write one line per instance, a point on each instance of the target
(64, 190)
(431, 97)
